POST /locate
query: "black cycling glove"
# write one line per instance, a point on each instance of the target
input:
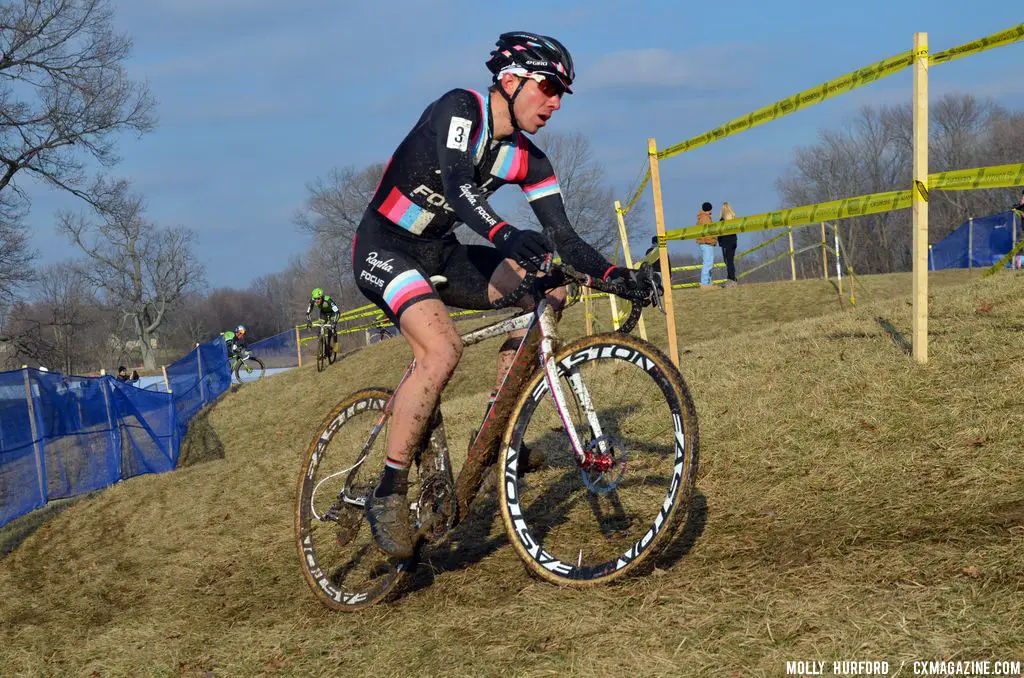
(529, 249)
(631, 283)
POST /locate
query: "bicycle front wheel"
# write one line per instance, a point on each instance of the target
(249, 369)
(578, 526)
(332, 355)
(321, 353)
(342, 465)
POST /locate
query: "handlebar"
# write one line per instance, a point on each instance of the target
(559, 275)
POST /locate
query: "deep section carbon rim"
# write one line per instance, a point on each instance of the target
(339, 559)
(581, 527)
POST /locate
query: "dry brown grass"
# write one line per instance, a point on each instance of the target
(853, 506)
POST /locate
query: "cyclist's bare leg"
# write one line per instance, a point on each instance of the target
(504, 280)
(437, 349)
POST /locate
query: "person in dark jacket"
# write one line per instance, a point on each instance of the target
(728, 245)
(657, 264)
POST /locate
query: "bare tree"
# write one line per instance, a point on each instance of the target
(25, 338)
(140, 268)
(16, 258)
(65, 297)
(872, 154)
(589, 199)
(286, 293)
(64, 94)
(335, 205)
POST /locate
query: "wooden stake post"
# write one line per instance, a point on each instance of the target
(666, 271)
(824, 253)
(919, 203)
(792, 256)
(298, 345)
(588, 317)
(628, 258)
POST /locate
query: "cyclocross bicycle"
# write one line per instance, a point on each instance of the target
(246, 367)
(611, 416)
(325, 353)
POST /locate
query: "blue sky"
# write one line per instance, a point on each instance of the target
(258, 97)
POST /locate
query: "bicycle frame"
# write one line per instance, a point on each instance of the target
(540, 341)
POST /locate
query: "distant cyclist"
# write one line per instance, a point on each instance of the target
(464, 147)
(328, 311)
(235, 341)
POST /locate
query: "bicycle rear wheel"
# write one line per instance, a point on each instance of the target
(342, 465)
(249, 369)
(579, 527)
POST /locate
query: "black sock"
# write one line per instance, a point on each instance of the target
(394, 480)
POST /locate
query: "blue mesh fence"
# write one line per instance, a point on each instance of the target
(278, 350)
(62, 436)
(977, 242)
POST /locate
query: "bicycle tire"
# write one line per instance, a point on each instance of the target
(321, 357)
(531, 517)
(257, 367)
(332, 355)
(326, 563)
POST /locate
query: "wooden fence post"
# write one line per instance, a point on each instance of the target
(666, 271)
(628, 258)
(919, 200)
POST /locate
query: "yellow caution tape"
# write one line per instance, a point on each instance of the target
(920, 191)
(1007, 37)
(783, 107)
(1004, 261)
(636, 195)
(998, 176)
(345, 315)
(832, 88)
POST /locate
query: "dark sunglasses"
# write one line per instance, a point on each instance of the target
(549, 87)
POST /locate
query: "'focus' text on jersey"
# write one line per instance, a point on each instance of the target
(445, 168)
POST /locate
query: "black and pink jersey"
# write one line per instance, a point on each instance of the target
(444, 169)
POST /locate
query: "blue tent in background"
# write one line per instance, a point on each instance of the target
(977, 242)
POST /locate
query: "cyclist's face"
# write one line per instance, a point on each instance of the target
(318, 300)
(536, 103)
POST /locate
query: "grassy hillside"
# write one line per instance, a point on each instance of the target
(853, 505)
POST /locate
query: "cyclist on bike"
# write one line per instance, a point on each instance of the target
(328, 309)
(235, 341)
(465, 146)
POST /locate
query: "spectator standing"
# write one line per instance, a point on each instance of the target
(707, 247)
(728, 245)
(657, 264)
(122, 373)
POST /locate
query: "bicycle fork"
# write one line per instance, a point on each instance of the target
(585, 457)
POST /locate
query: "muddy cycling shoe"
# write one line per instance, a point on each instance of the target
(389, 521)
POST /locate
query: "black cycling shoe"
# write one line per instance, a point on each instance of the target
(389, 521)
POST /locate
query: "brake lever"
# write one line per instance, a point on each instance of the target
(656, 294)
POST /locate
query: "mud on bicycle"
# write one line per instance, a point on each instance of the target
(610, 414)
